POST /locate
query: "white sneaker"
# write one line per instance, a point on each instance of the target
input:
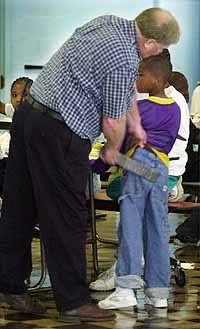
(120, 298)
(156, 302)
(105, 281)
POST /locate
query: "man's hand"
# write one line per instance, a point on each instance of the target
(109, 154)
(138, 133)
(114, 131)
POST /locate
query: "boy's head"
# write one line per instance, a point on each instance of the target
(179, 81)
(19, 90)
(154, 73)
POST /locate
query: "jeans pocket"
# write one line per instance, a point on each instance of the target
(132, 184)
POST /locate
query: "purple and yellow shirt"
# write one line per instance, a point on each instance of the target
(160, 118)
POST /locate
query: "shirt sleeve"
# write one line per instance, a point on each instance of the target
(117, 92)
(9, 110)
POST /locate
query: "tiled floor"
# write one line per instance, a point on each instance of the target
(184, 303)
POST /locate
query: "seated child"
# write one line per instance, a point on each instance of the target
(195, 105)
(143, 226)
(18, 93)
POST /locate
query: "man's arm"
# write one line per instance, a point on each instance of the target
(134, 126)
(114, 132)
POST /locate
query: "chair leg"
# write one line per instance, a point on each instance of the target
(38, 285)
(93, 226)
(108, 241)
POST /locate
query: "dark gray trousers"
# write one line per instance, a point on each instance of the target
(45, 180)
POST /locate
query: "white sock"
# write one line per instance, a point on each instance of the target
(124, 291)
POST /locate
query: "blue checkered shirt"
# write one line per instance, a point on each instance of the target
(92, 75)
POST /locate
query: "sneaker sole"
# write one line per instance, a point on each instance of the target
(119, 307)
(151, 305)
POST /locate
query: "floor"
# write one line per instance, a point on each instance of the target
(184, 303)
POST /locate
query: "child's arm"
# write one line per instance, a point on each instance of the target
(7, 109)
(98, 166)
(2, 108)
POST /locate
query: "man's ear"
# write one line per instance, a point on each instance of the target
(149, 44)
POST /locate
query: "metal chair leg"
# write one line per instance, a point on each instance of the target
(93, 226)
(43, 274)
(108, 241)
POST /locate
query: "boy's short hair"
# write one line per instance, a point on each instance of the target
(178, 78)
(180, 83)
(159, 65)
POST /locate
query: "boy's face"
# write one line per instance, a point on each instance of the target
(17, 92)
(145, 81)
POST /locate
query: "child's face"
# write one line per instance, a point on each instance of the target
(146, 80)
(17, 92)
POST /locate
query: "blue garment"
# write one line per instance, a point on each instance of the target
(91, 75)
(144, 229)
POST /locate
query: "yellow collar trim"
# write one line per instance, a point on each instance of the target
(160, 100)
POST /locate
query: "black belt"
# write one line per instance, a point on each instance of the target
(42, 108)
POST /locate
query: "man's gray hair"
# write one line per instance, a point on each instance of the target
(158, 24)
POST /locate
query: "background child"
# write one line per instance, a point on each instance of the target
(18, 93)
(178, 90)
(195, 105)
(143, 226)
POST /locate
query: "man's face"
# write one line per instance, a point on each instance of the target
(151, 47)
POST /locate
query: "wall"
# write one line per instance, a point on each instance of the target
(2, 43)
(35, 29)
(186, 54)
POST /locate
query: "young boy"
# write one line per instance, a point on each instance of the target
(178, 90)
(18, 93)
(143, 224)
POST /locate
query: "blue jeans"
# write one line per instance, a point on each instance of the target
(144, 229)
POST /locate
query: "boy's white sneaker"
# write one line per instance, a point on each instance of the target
(105, 281)
(156, 302)
(120, 298)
